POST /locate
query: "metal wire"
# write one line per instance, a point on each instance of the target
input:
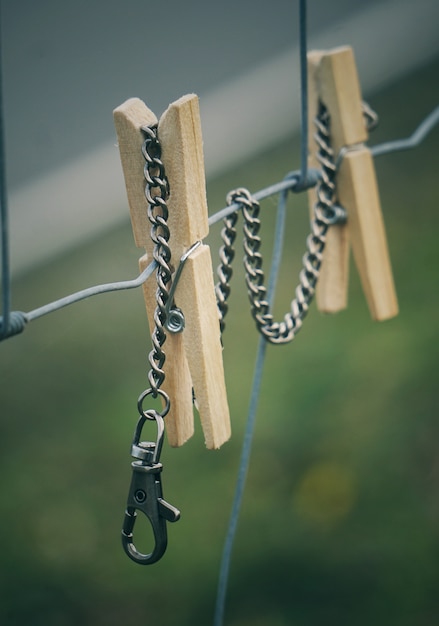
(421, 132)
(91, 291)
(21, 318)
(290, 181)
(303, 92)
(325, 196)
(12, 323)
(250, 424)
(5, 321)
(414, 140)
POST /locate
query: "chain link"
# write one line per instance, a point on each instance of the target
(325, 214)
(156, 194)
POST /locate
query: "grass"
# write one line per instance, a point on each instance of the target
(341, 511)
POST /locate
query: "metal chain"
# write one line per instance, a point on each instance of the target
(224, 270)
(145, 493)
(156, 194)
(325, 214)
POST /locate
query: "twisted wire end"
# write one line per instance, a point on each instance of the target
(14, 326)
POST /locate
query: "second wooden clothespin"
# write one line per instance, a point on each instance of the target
(333, 81)
(193, 357)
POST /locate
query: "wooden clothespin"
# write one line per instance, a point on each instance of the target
(333, 80)
(193, 357)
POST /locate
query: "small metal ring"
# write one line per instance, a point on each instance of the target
(150, 414)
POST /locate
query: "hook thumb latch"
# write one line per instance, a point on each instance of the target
(146, 495)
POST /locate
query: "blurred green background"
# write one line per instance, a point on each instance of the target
(340, 520)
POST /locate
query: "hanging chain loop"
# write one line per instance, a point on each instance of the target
(326, 213)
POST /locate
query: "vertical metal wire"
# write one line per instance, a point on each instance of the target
(303, 91)
(4, 217)
(250, 425)
(260, 359)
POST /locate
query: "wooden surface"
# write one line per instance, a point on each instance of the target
(182, 155)
(129, 118)
(194, 357)
(195, 296)
(358, 193)
(339, 89)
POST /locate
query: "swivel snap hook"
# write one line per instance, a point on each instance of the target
(146, 495)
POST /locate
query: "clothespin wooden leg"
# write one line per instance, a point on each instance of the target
(332, 287)
(334, 81)
(180, 135)
(358, 192)
(193, 357)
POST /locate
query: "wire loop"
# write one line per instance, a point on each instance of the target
(151, 414)
(17, 323)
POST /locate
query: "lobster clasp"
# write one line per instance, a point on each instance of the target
(146, 495)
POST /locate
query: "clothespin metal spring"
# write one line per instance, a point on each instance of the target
(175, 321)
